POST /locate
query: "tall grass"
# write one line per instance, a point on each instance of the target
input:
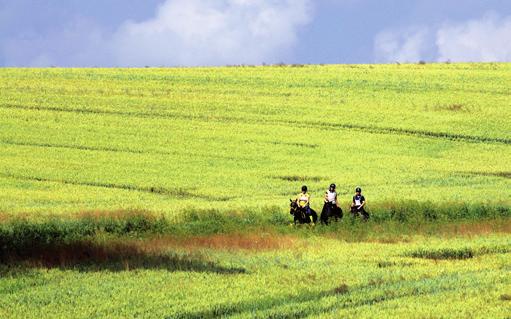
(17, 235)
(416, 212)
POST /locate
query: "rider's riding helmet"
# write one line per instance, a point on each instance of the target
(358, 190)
(304, 188)
(332, 186)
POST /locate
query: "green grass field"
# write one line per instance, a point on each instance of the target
(164, 192)
(166, 140)
(268, 276)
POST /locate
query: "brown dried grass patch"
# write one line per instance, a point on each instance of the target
(151, 250)
(255, 242)
(455, 107)
(341, 289)
(115, 214)
(476, 228)
(5, 217)
(9, 217)
(171, 253)
(390, 240)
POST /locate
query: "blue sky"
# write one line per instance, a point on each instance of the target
(225, 32)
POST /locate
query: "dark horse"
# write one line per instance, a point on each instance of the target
(300, 215)
(330, 210)
(359, 212)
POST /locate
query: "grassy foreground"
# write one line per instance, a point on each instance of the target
(459, 274)
(132, 264)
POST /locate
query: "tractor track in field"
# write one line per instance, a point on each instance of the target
(75, 147)
(325, 126)
(410, 132)
(177, 193)
(115, 150)
(392, 292)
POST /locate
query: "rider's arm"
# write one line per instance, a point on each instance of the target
(362, 201)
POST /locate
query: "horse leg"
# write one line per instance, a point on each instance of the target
(354, 212)
(365, 214)
(324, 215)
(303, 217)
(314, 216)
(296, 218)
(338, 213)
(323, 219)
(334, 213)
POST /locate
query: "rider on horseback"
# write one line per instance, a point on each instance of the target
(358, 203)
(331, 207)
(331, 196)
(303, 200)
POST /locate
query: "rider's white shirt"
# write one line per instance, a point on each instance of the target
(330, 196)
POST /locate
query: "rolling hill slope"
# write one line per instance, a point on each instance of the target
(168, 140)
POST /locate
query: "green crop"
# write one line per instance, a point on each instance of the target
(170, 140)
(163, 193)
(317, 277)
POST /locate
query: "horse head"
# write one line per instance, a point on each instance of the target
(293, 206)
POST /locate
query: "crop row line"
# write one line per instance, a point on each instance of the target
(347, 303)
(364, 128)
(396, 294)
(178, 193)
(76, 147)
(304, 145)
(501, 174)
(419, 133)
(111, 149)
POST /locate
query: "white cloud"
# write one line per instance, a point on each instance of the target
(182, 32)
(202, 32)
(408, 46)
(482, 40)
